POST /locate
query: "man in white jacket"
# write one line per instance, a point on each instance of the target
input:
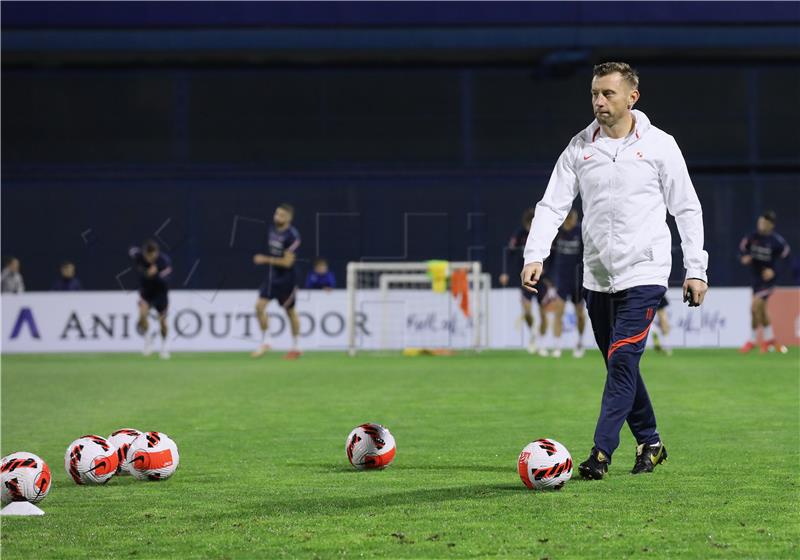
(629, 174)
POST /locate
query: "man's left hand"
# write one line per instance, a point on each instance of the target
(694, 291)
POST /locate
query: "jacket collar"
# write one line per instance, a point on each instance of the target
(641, 126)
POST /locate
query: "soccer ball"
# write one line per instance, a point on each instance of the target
(121, 440)
(543, 464)
(152, 456)
(25, 477)
(370, 446)
(90, 460)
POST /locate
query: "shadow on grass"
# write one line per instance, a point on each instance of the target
(469, 468)
(326, 504)
(345, 468)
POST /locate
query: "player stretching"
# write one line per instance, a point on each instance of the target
(281, 281)
(568, 254)
(763, 250)
(154, 268)
(515, 246)
(629, 174)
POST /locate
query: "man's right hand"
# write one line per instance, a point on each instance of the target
(746, 260)
(286, 261)
(530, 276)
(503, 279)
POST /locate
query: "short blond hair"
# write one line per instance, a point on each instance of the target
(628, 74)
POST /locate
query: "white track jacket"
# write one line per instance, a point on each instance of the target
(625, 198)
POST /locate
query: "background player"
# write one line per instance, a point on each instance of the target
(763, 251)
(515, 248)
(281, 281)
(662, 324)
(12, 282)
(320, 277)
(154, 269)
(568, 256)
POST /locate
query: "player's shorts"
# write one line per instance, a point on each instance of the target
(284, 293)
(571, 292)
(663, 303)
(763, 290)
(156, 299)
(540, 295)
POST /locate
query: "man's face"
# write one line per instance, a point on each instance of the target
(68, 270)
(14, 265)
(281, 217)
(764, 226)
(612, 96)
(321, 268)
(151, 256)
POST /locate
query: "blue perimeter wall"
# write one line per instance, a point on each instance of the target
(394, 160)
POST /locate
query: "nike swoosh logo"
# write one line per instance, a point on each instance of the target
(587, 157)
(657, 457)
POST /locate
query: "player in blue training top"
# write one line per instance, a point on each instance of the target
(154, 269)
(763, 251)
(515, 247)
(568, 254)
(281, 280)
(320, 277)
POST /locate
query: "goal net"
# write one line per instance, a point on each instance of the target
(427, 305)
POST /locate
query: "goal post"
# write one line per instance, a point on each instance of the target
(393, 305)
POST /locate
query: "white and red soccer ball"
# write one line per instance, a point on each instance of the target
(90, 460)
(152, 456)
(121, 441)
(370, 446)
(24, 477)
(544, 464)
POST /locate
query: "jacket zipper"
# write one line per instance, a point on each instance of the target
(611, 288)
(611, 245)
(612, 184)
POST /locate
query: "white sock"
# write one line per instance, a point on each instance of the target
(754, 335)
(163, 342)
(768, 335)
(294, 343)
(264, 336)
(557, 343)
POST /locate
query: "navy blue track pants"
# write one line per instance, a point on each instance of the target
(621, 322)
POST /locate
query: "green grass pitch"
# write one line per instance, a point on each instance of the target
(264, 474)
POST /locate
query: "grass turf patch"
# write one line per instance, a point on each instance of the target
(264, 474)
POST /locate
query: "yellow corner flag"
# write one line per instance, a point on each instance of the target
(437, 270)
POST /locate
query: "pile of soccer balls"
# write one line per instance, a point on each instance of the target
(543, 464)
(91, 459)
